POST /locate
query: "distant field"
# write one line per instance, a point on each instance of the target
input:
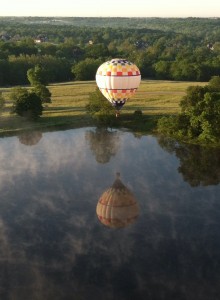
(154, 97)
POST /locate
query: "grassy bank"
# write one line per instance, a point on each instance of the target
(154, 98)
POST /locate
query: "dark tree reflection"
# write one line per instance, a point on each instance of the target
(30, 138)
(103, 143)
(198, 165)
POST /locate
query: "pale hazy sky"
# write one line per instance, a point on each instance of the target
(111, 8)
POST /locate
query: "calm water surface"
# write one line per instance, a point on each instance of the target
(53, 246)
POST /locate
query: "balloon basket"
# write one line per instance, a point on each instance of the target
(117, 114)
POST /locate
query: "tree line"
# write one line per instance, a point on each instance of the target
(161, 48)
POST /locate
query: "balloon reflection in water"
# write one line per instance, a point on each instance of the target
(117, 206)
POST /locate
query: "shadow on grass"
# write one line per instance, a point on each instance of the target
(63, 108)
(92, 82)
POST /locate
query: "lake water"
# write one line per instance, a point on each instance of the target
(54, 246)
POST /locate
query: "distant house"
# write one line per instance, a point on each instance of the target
(141, 44)
(40, 39)
(210, 46)
(5, 37)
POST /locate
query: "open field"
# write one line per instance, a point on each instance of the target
(154, 98)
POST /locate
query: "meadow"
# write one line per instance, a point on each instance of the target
(154, 98)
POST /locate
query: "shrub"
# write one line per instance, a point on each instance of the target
(26, 104)
(99, 108)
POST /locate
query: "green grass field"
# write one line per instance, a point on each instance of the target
(154, 98)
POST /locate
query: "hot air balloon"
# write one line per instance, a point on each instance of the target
(117, 206)
(118, 80)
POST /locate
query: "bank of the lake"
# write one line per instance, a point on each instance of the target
(155, 98)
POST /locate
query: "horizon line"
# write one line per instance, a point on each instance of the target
(109, 17)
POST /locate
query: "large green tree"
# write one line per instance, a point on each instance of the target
(97, 51)
(214, 83)
(37, 78)
(86, 69)
(43, 92)
(26, 103)
(199, 118)
(37, 75)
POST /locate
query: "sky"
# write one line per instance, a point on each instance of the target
(113, 8)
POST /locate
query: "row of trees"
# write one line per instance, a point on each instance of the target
(13, 71)
(162, 48)
(173, 64)
(58, 29)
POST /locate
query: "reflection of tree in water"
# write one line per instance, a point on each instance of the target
(30, 138)
(103, 143)
(198, 165)
(117, 206)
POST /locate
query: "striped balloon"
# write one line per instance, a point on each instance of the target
(118, 80)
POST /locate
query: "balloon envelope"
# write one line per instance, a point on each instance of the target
(118, 80)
